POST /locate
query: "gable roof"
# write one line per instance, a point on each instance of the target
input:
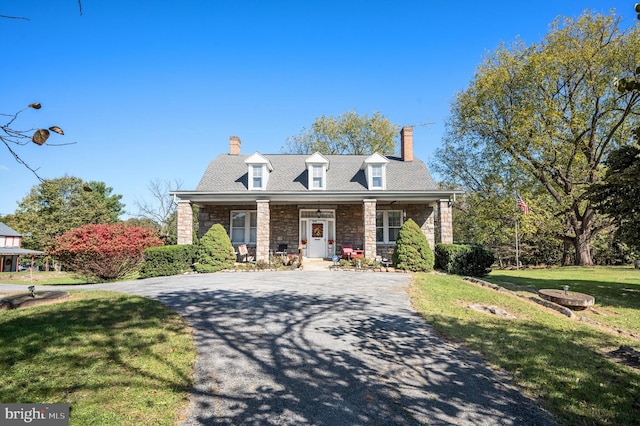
(257, 158)
(228, 174)
(6, 231)
(317, 158)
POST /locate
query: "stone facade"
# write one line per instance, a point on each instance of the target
(263, 231)
(445, 222)
(354, 224)
(424, 217)
(284, 226)
(369, 213)
(185, 222)
(349, 225)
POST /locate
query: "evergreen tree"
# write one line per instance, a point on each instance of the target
(412, 252)
(215, 252)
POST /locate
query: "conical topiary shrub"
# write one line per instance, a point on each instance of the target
(215, 251)
(412, 252)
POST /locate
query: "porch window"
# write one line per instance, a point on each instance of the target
(388, 223)
(244, 226)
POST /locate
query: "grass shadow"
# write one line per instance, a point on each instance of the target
(93, 352)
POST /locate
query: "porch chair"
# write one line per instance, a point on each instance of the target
(347, 250)
(282, 250)
(243, 252)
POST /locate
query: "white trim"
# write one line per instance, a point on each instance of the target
(426, 197)
(375, 160)
(253, 168)
(254, 162)
(371, 176)
(312, 177)
(304, 229)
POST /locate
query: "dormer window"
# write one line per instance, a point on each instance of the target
(317, 178)
(317, 166)
(376, 176)
(375, 168)
(256, 178)
(258, 171)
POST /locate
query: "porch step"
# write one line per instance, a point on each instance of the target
(316, 264)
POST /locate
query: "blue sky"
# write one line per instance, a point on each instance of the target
(153, 89)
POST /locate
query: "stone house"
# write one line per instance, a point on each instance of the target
(316, 202)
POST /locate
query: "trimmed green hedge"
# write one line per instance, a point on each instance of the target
(167, 260)
(215, 252)
(463, 259)
(412, 251)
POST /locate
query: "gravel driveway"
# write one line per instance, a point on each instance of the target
(326, 348)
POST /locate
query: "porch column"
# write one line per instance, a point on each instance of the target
(445, 222)
(263, 231)
(185, 222)
(370, 250)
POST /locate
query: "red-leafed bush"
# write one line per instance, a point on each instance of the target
(104, 251)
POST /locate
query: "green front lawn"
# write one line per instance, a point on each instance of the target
(616, 290)
(40, 278)
(116, 359)
(559, 360)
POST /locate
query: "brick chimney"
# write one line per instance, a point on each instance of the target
(406, 143)
(234, 145)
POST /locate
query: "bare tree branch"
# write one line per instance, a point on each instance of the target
(9, 135)
(13, 17)
(162, 207)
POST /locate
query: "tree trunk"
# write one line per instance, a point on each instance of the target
(581, 224)
(582, 244)
(567, 243)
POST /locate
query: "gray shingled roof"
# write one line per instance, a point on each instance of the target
(228, 173)
(5, 231)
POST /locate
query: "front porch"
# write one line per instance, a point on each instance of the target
(320, 229)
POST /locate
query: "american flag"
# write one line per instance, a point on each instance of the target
(520, 202)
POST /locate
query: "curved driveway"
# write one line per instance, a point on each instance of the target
(326, 348)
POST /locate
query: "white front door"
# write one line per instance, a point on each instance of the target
(317, 244)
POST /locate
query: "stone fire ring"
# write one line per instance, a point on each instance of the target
(570, 299)
(24, 300)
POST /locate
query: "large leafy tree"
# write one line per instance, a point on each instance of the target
(349, 133)
(58, 205)
(551, 111)
(618, 195)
